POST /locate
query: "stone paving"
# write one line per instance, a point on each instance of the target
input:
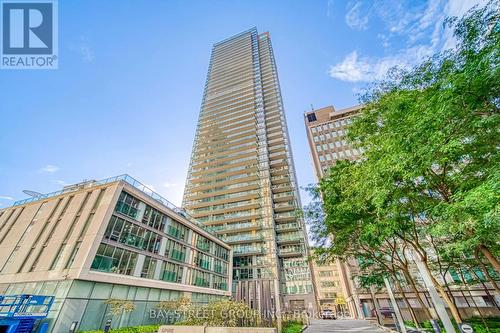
(343, 325)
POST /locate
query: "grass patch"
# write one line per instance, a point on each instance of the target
(292, 327)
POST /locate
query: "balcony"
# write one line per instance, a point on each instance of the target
(287, 227)
(284, 206)
(278, 163)
(238, 239)
(289, 238)
(248, 250)
(277, 155)
(279, 188)
(235, 227)
(280, 179)
(285, 217)
(291, 251)
(280, 171)
(231, 217)
(283, 196)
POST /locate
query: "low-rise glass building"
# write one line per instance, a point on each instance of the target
(108, 239)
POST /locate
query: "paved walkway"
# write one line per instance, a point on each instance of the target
(342, 325)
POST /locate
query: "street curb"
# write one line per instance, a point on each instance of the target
(304, 328)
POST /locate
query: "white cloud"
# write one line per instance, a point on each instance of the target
(421, 28)
(49, 168)
(151, 187)
(357, 16)
(329, 8)
(356, 69)
(170, 185)
(87, 53)
(6, 197)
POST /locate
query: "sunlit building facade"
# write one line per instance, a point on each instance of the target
(113, 238)
(241, 181)
(327, 137)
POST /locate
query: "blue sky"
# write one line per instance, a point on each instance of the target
(127, 93)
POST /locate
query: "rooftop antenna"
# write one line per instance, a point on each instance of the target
(32, 194)
(312, 107)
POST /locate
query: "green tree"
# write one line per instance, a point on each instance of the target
(428, 180)
(117, 307)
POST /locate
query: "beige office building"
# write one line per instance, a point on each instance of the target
(113, 238)
(241, 181)
(326, 134)
(329, 291)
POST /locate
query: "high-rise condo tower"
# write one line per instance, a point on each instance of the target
(241, 180)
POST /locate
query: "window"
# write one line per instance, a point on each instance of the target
(322, 137)
(337, 143)
(177, 230)
(330, 125)
(325, 273)
(325, 127)
(318, 148)
(171, 272)
(328, 136)
(148, 268)
(316, 139)
(335, 156)
(311, 117)
(114, 260)
(202, 243)
(321, 158)
(328, 157)
(175, 251)
(200, 279)
(325, 146)
(127, 205)
(328, 284)
(202, 260)
(331, 145)
(313, 129)
(220, 252)
(348, 153)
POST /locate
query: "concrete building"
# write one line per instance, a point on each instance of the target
(326, 135)
(241, 181)
(113, 238)
(329, 291)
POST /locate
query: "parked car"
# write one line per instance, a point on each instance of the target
(327, 314)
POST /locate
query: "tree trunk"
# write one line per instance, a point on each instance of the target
(485, 287)
(415, 290)
(491, 258)
(410, 308)
(473, 301)
(444, 295)
(487, 273)
(376, 306)
(452, 298)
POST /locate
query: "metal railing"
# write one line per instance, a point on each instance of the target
(127, 179)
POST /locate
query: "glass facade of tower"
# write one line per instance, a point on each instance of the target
(241, 180)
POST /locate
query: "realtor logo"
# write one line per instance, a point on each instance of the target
(29, 34)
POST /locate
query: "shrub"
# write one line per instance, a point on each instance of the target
(292, 326)
(132, 329)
